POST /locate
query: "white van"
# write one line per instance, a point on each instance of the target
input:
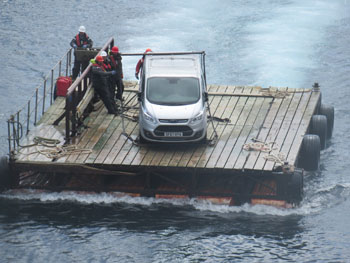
(173, 98)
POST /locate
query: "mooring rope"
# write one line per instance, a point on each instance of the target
(55, 150)
(269, 92)
(267, 147)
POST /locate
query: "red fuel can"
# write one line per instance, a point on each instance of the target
(62, 85)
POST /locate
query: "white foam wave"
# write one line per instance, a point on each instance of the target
(115, 197)
(313, 203)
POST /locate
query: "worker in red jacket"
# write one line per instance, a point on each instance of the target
(81, 40)
(100, 83)
(116, 62)
(140, 63)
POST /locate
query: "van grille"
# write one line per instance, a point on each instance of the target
(186, 131)
(173, 120)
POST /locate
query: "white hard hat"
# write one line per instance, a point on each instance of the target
(103, 53)
(82, 29)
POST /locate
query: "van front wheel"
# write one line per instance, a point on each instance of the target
(142, 140)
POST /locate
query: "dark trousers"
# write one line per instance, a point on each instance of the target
(120, 89)
(77, 66)
(106, 97)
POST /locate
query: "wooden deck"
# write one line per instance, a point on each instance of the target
(278, 117)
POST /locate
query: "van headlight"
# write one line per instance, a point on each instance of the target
(148, 117)
(198, 117)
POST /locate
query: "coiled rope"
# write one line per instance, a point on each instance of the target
(54, 150)
(273, 154)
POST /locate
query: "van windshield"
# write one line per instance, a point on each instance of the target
(173, 90)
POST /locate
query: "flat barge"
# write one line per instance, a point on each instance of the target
(260, 141)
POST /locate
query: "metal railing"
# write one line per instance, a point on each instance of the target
(42, 98)
(75, 93)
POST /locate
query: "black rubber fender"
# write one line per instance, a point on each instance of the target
(319, 127)
(328, 111)
(5, 178)
(296, 187)
(309, 157)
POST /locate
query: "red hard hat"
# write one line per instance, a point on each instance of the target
(115, 49)
(99, 58)
(148, 50)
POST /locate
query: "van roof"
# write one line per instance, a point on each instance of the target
(173, 65)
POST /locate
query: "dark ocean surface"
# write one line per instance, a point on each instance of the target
(281, 43)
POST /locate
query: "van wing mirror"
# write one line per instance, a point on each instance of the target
(206, 96)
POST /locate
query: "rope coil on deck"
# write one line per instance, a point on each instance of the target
(273, 154)
(280, 94)
(55, 150)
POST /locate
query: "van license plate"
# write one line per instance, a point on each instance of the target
(173, 134)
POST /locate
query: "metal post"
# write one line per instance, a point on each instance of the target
(70, 61)
(67, 119)
(51, 89)
(122, 115)
(74, 112)
(13, 131)
(79, 91)
(67, 60)
(44, 96)
(28, 117)
(59, 68)
(205, 74)
(316, 87)
(36, 106)
(17, 127)
(85, 84)
(9, 135)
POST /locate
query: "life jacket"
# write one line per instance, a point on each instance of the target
(85, 42)
(107, 66)
(139, 65)
(99, 66)
(114, 62)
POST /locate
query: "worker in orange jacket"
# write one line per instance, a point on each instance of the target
(116, 62)
(81, 40)
(140, 63)
(100, 83)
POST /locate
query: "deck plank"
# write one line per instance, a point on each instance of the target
(273, 132)
(222, 107)
(101, 143)
(263, 132)
(233, 116)
(114, 144)
(95, 137)
(215, 157)
(303, 127)
(52, 133)
(54, 111)
(168, 155)
(199, 150)
(112, 138)
(96, 119)
(237, 138)
(126, 146)
(28, 152)
(293, 128)
(287, 121)
(251, 129)
(214, 106)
